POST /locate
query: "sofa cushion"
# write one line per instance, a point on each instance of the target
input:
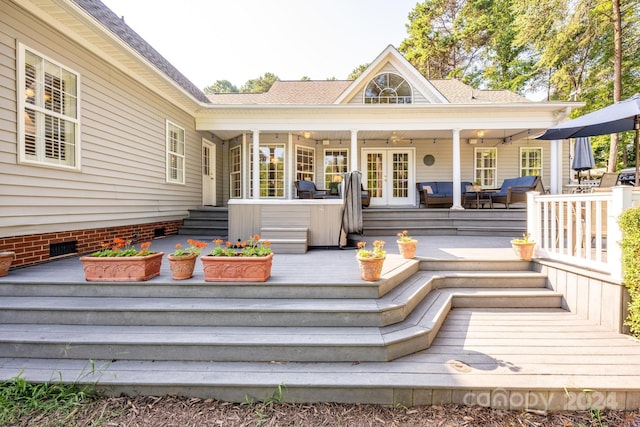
(523, 181)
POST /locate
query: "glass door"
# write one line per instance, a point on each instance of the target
(389, 176)
(208, 173)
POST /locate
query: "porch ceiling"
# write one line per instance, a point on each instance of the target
(489, 135)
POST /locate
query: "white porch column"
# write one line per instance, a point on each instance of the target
(256, 164)
(291, 172)
(457, 195)
(354, 150)
(555, 180)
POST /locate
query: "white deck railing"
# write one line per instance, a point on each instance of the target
(581, 229)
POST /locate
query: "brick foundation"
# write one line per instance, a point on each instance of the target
(34, 248)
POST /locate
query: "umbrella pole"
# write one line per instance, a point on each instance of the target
(637, 141)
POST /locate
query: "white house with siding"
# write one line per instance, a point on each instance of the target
(101, 137)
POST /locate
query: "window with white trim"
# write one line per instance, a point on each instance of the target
(486, 166)
(388, 88)
(272, 167)
(335, 164)
(235, 165)
(305, 163)
(175, 153)
(48, 97)
(530, 161)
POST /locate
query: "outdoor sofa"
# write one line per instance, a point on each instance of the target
(438, 193)
(514, 190)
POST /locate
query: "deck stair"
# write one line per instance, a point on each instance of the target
(286, 240)
(197, 322)
(213, 221)
(434, 221)
(206, 221)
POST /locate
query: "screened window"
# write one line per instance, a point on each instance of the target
(272, 169)
(49, 133)
(235, 165)
(305, 163)
(486, 166)
(388, 88)
(530, 161)
(335, 164)
(175, 153)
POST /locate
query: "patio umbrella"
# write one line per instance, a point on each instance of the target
(352, 209)
(619, 117)
(582, 155)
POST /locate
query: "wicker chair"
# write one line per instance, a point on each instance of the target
(515, 190)
(308, 190)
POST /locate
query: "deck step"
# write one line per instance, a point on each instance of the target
(253, 343)
(286, 240)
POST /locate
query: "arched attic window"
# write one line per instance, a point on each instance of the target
(388, 88)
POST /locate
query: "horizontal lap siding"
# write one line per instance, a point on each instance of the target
(122, 140)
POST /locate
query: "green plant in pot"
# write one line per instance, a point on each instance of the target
(524, 247)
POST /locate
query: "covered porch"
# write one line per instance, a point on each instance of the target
(395, 148)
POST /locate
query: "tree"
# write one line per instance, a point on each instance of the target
(220, 86)
(472, 40)
(586, 49)
(260, 85)
(357, 71)
(435, 46)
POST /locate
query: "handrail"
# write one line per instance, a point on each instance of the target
(580, 229)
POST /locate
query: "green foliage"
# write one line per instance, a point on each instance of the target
(357, 71)
(220, 86)
(119, 247)
(260, 85)
(630, 225)
(19, 398)
(262, 406)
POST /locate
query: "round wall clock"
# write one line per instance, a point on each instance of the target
(428, 160)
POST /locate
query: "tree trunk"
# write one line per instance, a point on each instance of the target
(617, 79)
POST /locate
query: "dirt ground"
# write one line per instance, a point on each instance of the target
(191, 412)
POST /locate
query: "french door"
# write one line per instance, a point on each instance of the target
(389, 176)
(208, 173)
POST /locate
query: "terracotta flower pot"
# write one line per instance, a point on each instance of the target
(182, 266)
(524, 251)
(6, 258)
(121, 269)
(407, 249)
(236, 268)
(370, 268)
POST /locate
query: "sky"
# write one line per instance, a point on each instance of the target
(240, 40)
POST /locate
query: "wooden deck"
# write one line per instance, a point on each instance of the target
(516, 358)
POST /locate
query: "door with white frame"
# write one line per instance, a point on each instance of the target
(208, 173)
(389, 175)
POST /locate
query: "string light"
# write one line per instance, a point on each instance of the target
(434, 140)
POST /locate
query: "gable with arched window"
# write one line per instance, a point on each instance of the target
(388, 88)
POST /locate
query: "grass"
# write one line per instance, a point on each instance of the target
(20, 399)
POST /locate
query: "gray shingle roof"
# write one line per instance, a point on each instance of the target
(457, 92)
(110, 20)
(299, 92)
(327, 91)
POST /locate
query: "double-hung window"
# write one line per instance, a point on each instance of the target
(48, 99)
(175, 153)
(305, 163)
(486, 166)
(235, 171)
(530, 161)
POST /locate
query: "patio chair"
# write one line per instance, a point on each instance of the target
(308, 190)
(366, 197)
(609, 179)
(514, 190)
